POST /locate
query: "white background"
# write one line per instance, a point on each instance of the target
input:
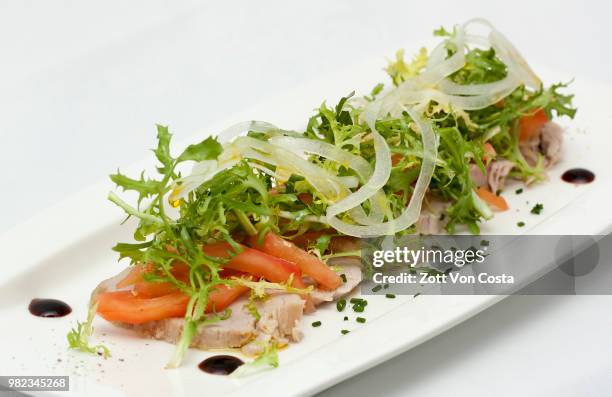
(188, 64)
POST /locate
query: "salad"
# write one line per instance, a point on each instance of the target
(266, 224)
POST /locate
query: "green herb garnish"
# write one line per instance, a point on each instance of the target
(341, 304)
(537, 209)
(78, 337)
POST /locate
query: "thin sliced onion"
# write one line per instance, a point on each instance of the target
(202, 172)
(451, 88)
(327, 150)
(382, 168)
(243, 127)
(411, 214)
(439, 68)
(286, 153)
(378, 202)
(321, 180)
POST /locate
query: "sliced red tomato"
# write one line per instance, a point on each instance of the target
(308, 264)
(135, 275)
(223, 296)
(257, 263)
(261, 264)
(305, 198)
(125, 307)
(146, 289)
(530, 125)
(306, 239)
(489, 152)
(492, 199)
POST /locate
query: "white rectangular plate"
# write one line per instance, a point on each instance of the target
(64, 252)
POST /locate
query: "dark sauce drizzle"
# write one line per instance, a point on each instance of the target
(220, 365)
(49, 308)
(579, 176)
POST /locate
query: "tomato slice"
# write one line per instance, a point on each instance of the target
(135, 274)
(305, 198)
(223, 296)
(308, 264)
(489, 152)
(257, 263)
(492, 199)
(146, 289)
(125, 307)
(530, 125)
(305, 239)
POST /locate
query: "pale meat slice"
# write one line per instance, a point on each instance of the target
(496, 175)
(351, 268)
(551, 142)
(548, 143)
(234, 332)
(497, 172)
(280, 320)
(477, 176)
(431, 220)
(280, 317)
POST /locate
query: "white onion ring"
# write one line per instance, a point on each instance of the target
(433, 84)
(411, 214)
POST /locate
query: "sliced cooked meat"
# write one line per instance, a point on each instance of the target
(497, 172)
(429, 223)
(431, 219)
(495, 178)
(351, 268)
(234, 332)
(530, 150)
(477, 176)
(280, 317)
(548, 142)
(551, 141)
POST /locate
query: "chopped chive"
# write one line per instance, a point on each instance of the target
(344, 331)
(386, 286)
(343, 277)
(498, 192)
(484, 243)
(518, 191)
(377, 288)
(537, 209)
(345, 318)
(358, 304)
(361, 320)
(390, 296)
(520, 224)
(316, 324)
(341, 304)
(417, 294)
